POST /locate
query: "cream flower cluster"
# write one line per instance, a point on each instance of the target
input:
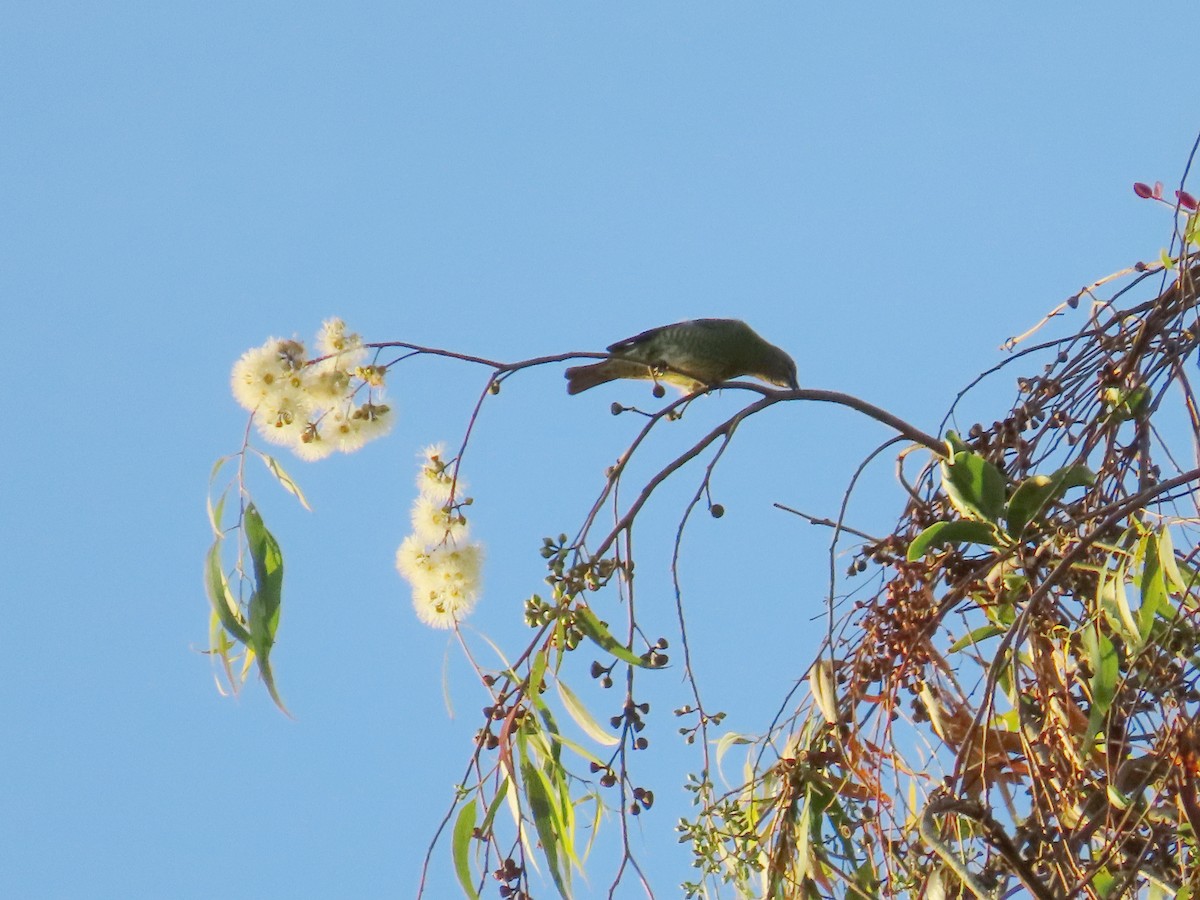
(315, 407)
(437, 559)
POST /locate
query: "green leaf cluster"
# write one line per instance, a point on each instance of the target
(251, 622)
(991, 516)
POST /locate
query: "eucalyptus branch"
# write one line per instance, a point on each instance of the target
(770, 398)
(689, 673)
(826, 522)
(838, 398)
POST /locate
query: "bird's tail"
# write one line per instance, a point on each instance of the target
(580, 378)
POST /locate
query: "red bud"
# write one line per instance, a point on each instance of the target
(1143, 190)
(1186, 200)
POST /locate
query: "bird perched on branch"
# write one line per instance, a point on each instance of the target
(691, 355)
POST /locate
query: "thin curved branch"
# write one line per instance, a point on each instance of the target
(838, 398)
(821, 396)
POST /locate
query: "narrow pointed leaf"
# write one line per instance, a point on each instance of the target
(977, 636)
(268, 676)
(1034, 493)
(594, 629)
(549, 740)
(727, 741)
(537, 672)
(1105, 666)
(1125, 615)
(216, 512)
(464, 832)
(803, 857)
(1072, 476)
(285, 480)
(268, 582)
(597, 818)
(1153, 586)
(583, 717)
(824, 691)
(217, 466)
(1170, 565)
(939, 534)
(266, 600)
(223, 604)
(485, 826)
(582, 751)
(540, 804)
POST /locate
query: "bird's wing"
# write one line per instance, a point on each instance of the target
(714, 324)
(637, 340)
(651, 333)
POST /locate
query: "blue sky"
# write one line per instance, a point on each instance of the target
(887, 192)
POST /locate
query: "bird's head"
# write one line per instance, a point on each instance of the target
(779, 369)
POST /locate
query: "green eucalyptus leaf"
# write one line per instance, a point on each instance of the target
(1116, 798)
(285, 480)
(1027, 502)
(1102, 686)
(1170, 565)
(550, 736)
(216, 512)
(1072, 476)
(266, 601)
(977, 636)
(580, 750)
(1153, 586)
(955, 444)
(1104, 881)
(593, 628)
(959, 531)
(1192, 231)
(486, 825)
(464, 833)
(1105, 666)
(583, 717)
(975, 486)
(537, 670)
(1126, 621)
(219, 595)
(540, 805)
(1126, 404)
(1034, 493)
